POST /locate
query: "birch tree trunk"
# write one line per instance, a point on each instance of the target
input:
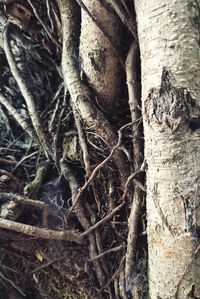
(169, 43)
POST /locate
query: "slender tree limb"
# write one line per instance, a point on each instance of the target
(21, 121)
(117, 248)
(82, 142)
(25, 92)
(8, 162)
(43, 233)
(134, 103)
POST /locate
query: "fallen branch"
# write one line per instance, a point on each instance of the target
(43, 233)
(8, 162)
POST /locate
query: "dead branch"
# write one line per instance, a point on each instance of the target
(42, 233)
(86, 159)
(114, 276)
(8, 162)
(48, 264)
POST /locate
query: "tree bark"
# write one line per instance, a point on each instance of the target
(99, 62)
(168, 38)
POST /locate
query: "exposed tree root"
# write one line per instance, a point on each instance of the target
(84, 196)
(80, 94)
(25, 92)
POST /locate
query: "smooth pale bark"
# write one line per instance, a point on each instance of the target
(101, 66)
(168, 38)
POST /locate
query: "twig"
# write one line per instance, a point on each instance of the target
(44, 25)
(100, 166)
(117, 248)
(23, 159)
(49, 14)
(115, 210)
(16, 115)
(48, 264)
(113, 276)
(12, 284)
(86, 159)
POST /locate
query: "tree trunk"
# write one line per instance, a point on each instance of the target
(98, 54)
(168, 38)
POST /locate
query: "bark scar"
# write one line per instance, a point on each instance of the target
(171, 106)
